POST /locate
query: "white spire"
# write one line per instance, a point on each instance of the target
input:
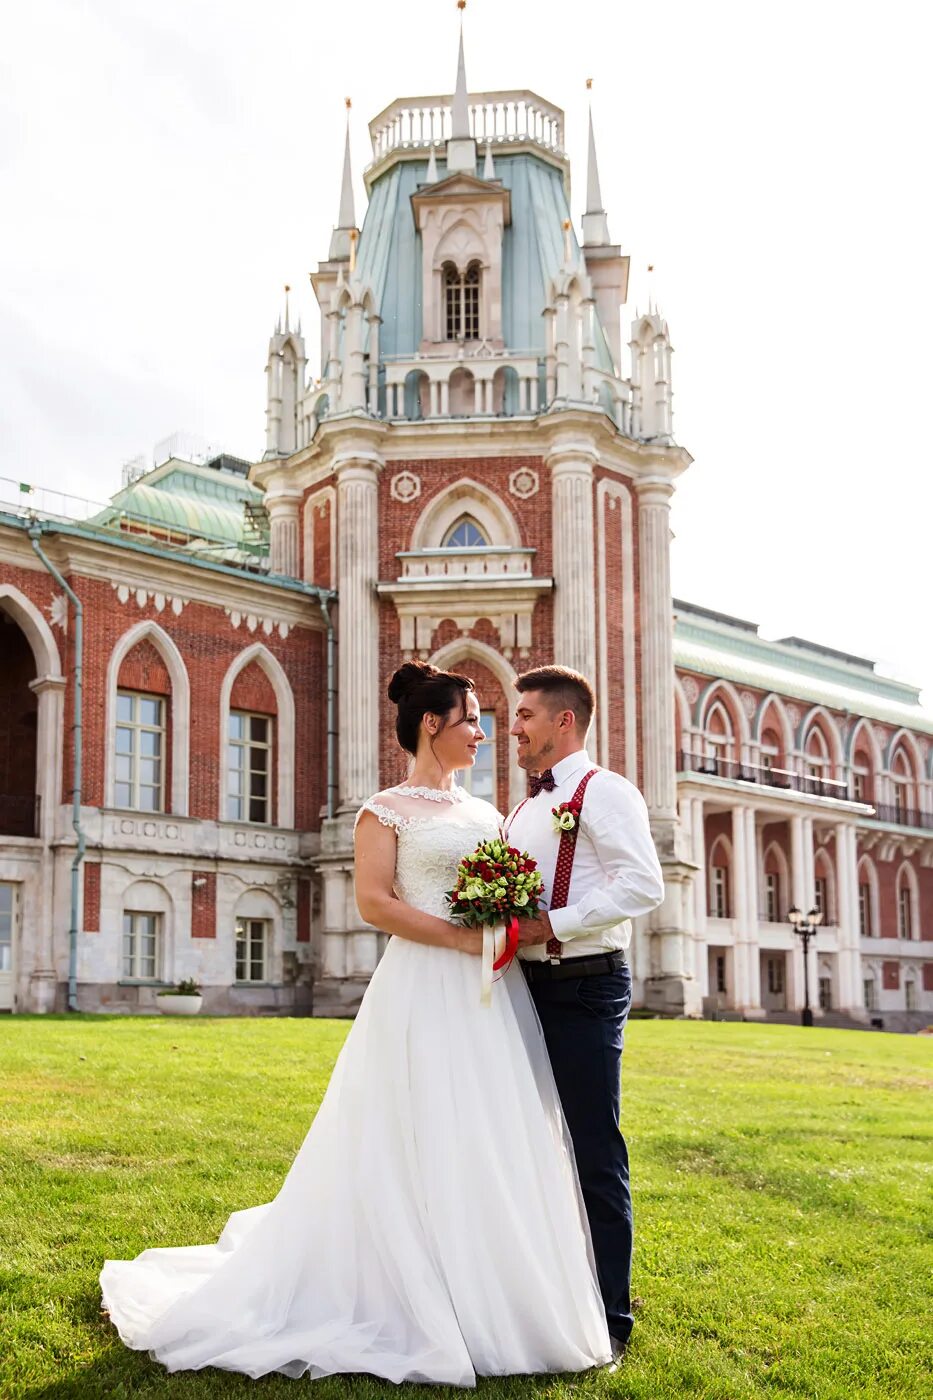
(347, 212)
(489, 170)
(461, 148)
(340, 238)
(461, 113)
(432, 166)
(595, 223)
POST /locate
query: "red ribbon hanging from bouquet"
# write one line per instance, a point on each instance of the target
(511, 944)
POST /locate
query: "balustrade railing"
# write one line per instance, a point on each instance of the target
(507, 116)
(904, 816)
(492, 561)
(756, 773)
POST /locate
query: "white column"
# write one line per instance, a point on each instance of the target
(571, 470)
(358, 638)
(698, 836)
(50, 747)
(354, 366)
(848, 959)
(740, 912)
(657, 646)
(284, 533)
(798, 877)
(753, 954)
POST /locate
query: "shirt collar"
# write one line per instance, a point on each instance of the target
(573, 763)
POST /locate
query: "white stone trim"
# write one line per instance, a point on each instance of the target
(180, 709)
(284, 740)
(607, 494)
(469, 648)
(906, 870)
(465, 497)
(327, 496)
(874, 899)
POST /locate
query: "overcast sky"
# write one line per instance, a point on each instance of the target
(167, 168)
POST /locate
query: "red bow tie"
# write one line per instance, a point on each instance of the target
(541, 782)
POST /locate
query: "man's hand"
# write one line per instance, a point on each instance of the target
(536, 930)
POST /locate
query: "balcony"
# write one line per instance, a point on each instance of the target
(19, 816)
(511, 116)
(488, 563)
(766, 777)
(904, 816)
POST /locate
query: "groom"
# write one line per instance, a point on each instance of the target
(599, 872)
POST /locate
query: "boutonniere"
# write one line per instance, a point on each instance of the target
(566, 816)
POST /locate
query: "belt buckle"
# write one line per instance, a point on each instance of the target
(554, 962)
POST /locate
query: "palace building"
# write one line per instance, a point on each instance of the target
(193, 681)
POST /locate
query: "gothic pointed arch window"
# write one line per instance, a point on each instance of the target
(461, 301)
(465, 534)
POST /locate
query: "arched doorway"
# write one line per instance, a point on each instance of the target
(19, 721)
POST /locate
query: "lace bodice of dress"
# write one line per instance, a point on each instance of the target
(434, 831)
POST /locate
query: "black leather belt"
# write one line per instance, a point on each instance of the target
(589, 966)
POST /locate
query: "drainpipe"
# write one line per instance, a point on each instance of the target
(35, 534)
(331, 708)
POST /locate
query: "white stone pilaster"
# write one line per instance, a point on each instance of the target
(358, 624)
(753, 952)
(740, 910)
(848, 959)
(657, 647)
(284, 530)
(571, 467)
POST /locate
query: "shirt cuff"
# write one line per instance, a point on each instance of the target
(565, 923)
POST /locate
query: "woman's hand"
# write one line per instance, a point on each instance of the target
(470, 940)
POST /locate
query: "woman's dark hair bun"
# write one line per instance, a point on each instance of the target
(418, 688)
(408, 677)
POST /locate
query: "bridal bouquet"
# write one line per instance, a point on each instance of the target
(496, 886)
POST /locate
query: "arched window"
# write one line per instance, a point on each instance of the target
(868, 921)
(902, 786)
(819, 764)
(465, 534)
(720, 860)
(461, 302)
(824, 888)
(908, 923)
(861, 777)
(720, 740)
(770, 749)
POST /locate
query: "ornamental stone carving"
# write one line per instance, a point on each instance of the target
(58, 611)
(253, 622)
(749, 703)
(143, 596)
(524, 483)
(405, 487)
(793, 715)
(691, 689)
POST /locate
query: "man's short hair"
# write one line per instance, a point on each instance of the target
(564, 689)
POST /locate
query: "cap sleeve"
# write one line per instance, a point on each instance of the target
(387, 816)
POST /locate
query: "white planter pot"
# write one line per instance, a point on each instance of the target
(175, 1005)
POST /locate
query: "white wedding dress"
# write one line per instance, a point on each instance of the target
(431, 1226)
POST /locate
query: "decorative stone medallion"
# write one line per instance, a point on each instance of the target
(691, 689)
(524, 483)
(405, 487)
(749, 703)
(58, 611)
(793, 715)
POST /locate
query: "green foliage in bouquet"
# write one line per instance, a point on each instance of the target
(495, 883)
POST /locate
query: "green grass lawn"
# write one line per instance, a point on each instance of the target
(781, 1182)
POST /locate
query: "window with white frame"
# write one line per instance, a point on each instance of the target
(817, 755)
(720, 743)
(821, 896)
(461, 302)
(826, 993)
(139, 752)
(252, 950)
(901, 785)
(775, 977)
(905, 923)
(910, 995)
(864, 910)
(772, 897)
(859, 785)
(719, 892)
(249, 767)
(480, 780)
(142, 937)
(869, 995)
(465, 534)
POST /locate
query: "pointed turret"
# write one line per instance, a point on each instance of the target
(461, 148)
(595, 223)
(285, 382)
(340, 238)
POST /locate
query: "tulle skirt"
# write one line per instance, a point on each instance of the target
(429, 1229)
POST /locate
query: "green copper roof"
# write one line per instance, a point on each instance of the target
(719, 646)
(390, 253)
(194, 500)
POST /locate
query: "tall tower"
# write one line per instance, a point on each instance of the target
(495, 492)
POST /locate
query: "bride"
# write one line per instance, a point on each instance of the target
(431, 1226)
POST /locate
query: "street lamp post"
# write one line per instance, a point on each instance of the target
(805, 926)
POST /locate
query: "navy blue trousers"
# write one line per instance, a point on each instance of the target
(583, 1019)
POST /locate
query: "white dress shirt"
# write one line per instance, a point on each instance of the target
(616, 873)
